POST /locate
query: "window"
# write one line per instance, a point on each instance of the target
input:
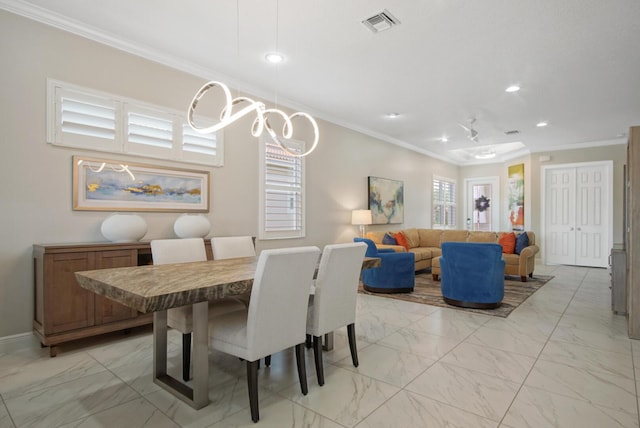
(84, 118)
(444, 203)
(281, 191)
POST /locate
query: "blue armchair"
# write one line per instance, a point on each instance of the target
(472, 274)
(396, 274)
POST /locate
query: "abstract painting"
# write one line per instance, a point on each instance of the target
(516, 196)
(386, 200)
(109, 185)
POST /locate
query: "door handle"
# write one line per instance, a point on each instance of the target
(571, 229)
(579, 228)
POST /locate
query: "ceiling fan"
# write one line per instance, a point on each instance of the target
(473, 134)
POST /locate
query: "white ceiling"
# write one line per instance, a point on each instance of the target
(577, 61)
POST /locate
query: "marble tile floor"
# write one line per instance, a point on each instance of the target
(561, 359)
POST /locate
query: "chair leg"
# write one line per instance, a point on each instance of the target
(267, 360)
(252, 383)
(351, 333)
(317, 355)
(186, 355)
(302, 368)
(308, 341)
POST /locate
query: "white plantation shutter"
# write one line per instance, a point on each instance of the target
(148, 132)
(202, 148)
(444, 211)
(282, 191)
(93, 120)
(83, 120)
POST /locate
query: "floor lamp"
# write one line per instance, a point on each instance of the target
(361, 218)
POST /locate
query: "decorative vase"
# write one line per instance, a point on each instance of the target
(124, 228)
(192, 226)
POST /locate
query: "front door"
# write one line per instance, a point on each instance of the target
(578, 206)
(482, 207)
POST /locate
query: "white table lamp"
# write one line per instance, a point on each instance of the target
(361, 218)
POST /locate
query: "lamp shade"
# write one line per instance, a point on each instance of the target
(361, 217)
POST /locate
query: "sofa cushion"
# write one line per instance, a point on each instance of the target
(376, 237)
(388, 239)
(508, 242)
(401, 240)
(429, 237)
(532, 238)
(421, 253)
(413, 238)
(453, 236)
(522, 241)
(477, 236)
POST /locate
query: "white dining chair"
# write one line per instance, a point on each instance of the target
(276, 317)
(165, 251)
(333, 302)
(229, 247)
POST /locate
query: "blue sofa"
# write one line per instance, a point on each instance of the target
(396, 273)
(472, 274)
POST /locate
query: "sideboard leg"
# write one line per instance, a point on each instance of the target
(53, 351)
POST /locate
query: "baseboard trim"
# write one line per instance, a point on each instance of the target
(16, 337)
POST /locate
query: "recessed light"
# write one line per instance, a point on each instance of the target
(541, 124)
(393, 115)
(444, 139)
(513, 88)
(274, 57)
(486, 155)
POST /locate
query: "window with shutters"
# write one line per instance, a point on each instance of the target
(281, 191)
(444, 212)
(84, 118)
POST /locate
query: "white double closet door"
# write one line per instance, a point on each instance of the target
(578, 213)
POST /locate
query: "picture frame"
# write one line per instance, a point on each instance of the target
(112, 185)
(515, 180)
(386, 200)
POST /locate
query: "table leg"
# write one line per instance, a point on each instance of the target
(198, 396)
(327, 343)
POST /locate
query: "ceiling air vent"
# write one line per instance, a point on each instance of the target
(381, 21)
(514, 132)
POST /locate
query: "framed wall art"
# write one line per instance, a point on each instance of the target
(111, 185)
(516, 196)
(386, 200)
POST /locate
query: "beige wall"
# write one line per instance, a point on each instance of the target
(36, 177)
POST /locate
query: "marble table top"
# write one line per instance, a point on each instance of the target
(154, 288)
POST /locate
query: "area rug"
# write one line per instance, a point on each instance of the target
(427, 291)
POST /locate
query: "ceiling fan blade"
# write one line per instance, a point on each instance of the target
(465, 128)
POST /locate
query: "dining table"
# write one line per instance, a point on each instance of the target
(156, 288)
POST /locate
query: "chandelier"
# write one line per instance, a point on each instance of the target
(244, 106)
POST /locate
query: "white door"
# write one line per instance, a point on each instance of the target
(482, 207)
(578, 206)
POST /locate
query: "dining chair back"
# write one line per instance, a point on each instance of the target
(275, 320)
(276, 317)
(229, 247)
(333, 304)
(165, 251)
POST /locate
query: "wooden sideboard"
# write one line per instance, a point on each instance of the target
(63, 310)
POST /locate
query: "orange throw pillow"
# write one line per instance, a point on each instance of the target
(401, 240)
(508, 242)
